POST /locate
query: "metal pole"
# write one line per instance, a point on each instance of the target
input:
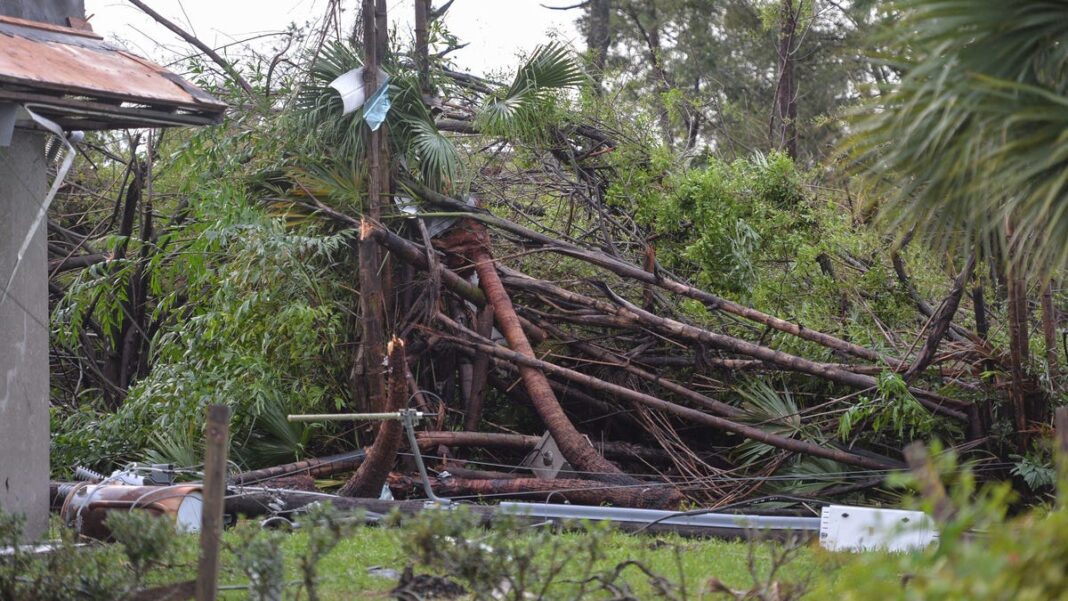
(409, 427)
(408, 416)
(342, 417)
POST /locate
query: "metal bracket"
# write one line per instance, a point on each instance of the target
(408, 417)
(546, 460)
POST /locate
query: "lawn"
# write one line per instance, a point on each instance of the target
(364, 564)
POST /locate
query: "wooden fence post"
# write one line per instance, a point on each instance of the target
(216, 438)
(1060, 452)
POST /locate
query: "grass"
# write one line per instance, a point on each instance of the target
(345, 573)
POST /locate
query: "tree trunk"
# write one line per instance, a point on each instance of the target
(1049, 334)
(422, 50)
(681, 331)
(526, 362)
(524, 443)
(784, 113)
(480, 372)
(1018, 352)
(627, 270)
(579, 492)
(599, 39)
(372, 290)
(371, 475)
(940, 322)
(572, 443)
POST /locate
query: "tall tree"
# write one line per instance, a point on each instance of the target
(709, 70)
(784, 111)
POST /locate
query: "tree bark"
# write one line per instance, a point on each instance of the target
(940, 322)
(523, 443)
(693, 415)
(627, 270)
(1049, 334)
(572, 444)
(371, 475)
(579, 492)
(679, 330)
(599, 39)
(1018, 353)
(422, 48)
(717, 407)
(214, 56)
(784, 115)
(480, 372)
(315, 467)
(372, 290)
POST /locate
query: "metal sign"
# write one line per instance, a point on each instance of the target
(546, 460)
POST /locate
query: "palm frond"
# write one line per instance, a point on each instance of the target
(435, 154)
(412, 132)
(771, 411)
(319, 107)
(515, 110)
(275, 440)
(975, 135)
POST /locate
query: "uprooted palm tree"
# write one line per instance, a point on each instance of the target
(426, 158)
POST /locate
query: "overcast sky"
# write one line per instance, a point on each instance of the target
(498, 30)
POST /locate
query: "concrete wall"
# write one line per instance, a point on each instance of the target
(24, 466)
(24, 438)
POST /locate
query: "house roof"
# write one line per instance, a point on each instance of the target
(75, 78)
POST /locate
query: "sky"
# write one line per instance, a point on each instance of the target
(498, 30)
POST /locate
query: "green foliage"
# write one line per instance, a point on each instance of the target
(326, 528)
(94, 573)
(495, 564)
(259, 557)
(772, 411)
(413, 134)
(981, 556)
(147, 540)
(521, 108)
(892, 410)
(714, 73)
(253, 317)
(972, 133)
(729, 219)
(1035, 471)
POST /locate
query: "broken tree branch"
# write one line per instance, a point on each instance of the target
(188, 37)
(693, 415)
(621, 268)
(369, 478)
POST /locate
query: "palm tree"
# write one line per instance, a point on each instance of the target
(415, 139)
(973, 139)
(974, 135)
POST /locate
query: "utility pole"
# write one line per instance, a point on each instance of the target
(24, 468)
(373, 273)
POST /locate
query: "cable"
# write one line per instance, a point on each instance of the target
(42, 210)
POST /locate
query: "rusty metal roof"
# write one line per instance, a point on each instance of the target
(77, 79)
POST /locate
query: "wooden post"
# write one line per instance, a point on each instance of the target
(216, 439)
(1060, 452)
(930, 484)
(1049, 334)
(372, 272)
(422, 48)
